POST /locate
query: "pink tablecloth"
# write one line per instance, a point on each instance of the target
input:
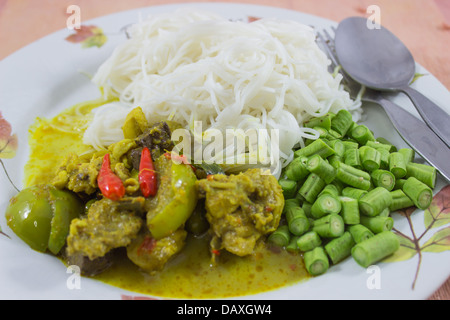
(423, 25)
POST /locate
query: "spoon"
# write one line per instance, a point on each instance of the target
(377, 59)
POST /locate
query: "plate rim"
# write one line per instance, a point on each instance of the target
(200, 5)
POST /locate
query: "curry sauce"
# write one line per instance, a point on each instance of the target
(190, 274)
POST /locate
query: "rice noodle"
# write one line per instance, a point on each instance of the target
(197, 66)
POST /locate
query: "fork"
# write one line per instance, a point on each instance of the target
(413, 131)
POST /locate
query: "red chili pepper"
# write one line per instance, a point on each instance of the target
(147, 174)
(110, 185)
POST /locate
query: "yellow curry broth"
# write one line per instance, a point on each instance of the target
(190, 273)
(51, 140)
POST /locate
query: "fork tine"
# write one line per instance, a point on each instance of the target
(326, 40)
(327, 49)
(328, 44)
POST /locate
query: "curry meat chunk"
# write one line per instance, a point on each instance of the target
(108, 225)
(157, 138)
(150, 254)
(78, 174)
(241, 209)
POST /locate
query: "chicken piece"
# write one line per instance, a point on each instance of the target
(78, 174)
(108, 225)
(150, 254)
(241, 208)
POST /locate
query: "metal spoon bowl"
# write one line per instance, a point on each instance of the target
(377, 59)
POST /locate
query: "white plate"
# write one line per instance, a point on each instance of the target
(47, 76)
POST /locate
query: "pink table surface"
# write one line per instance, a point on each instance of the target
(423, 25)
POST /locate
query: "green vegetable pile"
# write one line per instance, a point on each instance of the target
(340, 191)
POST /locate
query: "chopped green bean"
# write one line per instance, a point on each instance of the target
(350, 144)
(354, 193)
(335, 160)
(377, 145)
(338, 147)
(376, 248)
(281, 236)
(342, 122)
(306, 206)
(330, 226)
(340, 248)
(422, 172)
(386, 142)
(384, 179)
(292, 246)
(323, 133)
(360, 232)
(353, 126)
(316, 261)
(309, 241)
(324, 205)
(289, 188)
(375, 201)
(330, 189)
(290, 203)
(377, 224)
(408, 154)
(311, 188)
(362, 134)
(350, 210)
(385, 213)
(317, 147)
(339, 185)
(323, 122)
(353, 177)
(296, 170)
(399, 183)
(333, 134)
(397, 165)
(297, 220)
(352, 158)
(400, 200)
(384, 160)
(418, 192)
(316, 164)
(370, 158)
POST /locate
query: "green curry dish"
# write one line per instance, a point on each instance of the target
(241, 209)
(41, 216)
